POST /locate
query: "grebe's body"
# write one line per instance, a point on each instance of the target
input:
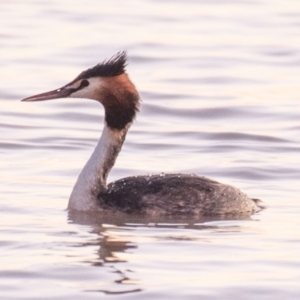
(171, 194)
(162, 194)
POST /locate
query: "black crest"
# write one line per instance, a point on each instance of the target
(113, 67)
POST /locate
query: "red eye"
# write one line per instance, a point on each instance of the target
(84, 83)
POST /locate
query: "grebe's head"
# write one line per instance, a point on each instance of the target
(107, 83)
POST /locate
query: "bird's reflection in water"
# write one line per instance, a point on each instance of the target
(111, 227)
(118, 234)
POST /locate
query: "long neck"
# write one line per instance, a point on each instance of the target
(92, 179)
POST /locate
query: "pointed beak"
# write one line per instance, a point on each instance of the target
(59, 93)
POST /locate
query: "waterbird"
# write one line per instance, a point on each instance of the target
(158, 194)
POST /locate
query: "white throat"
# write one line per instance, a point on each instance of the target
(92, 179)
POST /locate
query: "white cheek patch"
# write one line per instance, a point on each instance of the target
(92, 91)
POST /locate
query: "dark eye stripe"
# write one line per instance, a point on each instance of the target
(82, 85)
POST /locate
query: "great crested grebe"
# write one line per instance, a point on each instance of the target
(167, 194)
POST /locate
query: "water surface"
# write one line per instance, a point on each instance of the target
(219, 82)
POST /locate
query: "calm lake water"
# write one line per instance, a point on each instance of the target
(219, 82)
